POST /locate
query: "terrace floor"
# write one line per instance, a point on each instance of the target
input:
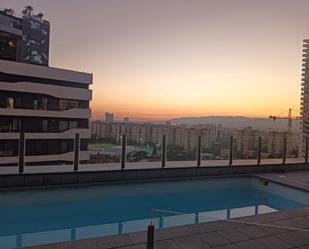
(279, 230)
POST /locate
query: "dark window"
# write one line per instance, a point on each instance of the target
(63, 147)
(63, 125)
(35, 104)
(14, 78)
(15, 125)
(38, 124)
(53, 126)
(8, 45)
(44, 103)
(8, 148)
(44, 126)
(36, 147)
(31, 125)
(83, 104)
(83, 123)
(18, 103)
(73, 124)
(84, 144)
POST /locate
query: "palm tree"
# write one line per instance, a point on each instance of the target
(27, 11)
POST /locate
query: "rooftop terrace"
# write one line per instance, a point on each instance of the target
(284, 229)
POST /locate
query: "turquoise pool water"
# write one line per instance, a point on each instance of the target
(45, 216)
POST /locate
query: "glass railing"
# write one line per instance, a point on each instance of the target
(216, 153)
(146, 150)
(181, 149)
(245, 149)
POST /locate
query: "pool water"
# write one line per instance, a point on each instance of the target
(44, 216)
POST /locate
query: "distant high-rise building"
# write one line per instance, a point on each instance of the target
(305, 95)
(24, 39)
(109, 117)
(126, 120)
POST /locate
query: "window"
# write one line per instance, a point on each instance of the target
(63, 146)
(83, 144)
(18, 103)
(83, 104)
(66, 104)
(44, 103)
(4, 125)
(36, 147)
(8, 46)
(35, 104)
(15, 125)
(63, 125)
(53, 126)
(73, 124)
(9, 148)
(63, 103)
(74, 104)
(84, 123)
(10, 103)
(44, 126)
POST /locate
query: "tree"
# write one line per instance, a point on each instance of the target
(40, 15)
(9, 11)
(27, 11)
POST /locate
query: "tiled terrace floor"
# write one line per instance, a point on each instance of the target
(298, 179)
(279, 230)
(218, 234)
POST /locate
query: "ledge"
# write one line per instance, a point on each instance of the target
(47, 179)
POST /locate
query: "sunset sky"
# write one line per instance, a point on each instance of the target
(168, 58)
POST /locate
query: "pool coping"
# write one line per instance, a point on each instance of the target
(71, 179)
(269, 177)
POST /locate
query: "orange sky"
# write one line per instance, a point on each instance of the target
(168, 58)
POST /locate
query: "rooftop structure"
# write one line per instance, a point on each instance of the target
(305, 95)
(24, 39)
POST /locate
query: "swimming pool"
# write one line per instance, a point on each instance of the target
(44, 216)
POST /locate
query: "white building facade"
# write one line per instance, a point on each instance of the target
(49, 105)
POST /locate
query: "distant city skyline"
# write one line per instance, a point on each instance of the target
(156, 60)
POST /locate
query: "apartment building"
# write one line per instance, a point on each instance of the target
(48, 105)
(246, 141)
(149, 133)
(304, 105)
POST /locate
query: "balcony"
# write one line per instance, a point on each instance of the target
(61, 92)
(11, 29)
(71, 113)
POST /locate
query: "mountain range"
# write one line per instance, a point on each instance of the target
(239, 122)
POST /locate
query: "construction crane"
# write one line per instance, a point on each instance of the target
(289, 118)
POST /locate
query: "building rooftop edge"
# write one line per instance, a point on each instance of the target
(18, 17)
(85, 77)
